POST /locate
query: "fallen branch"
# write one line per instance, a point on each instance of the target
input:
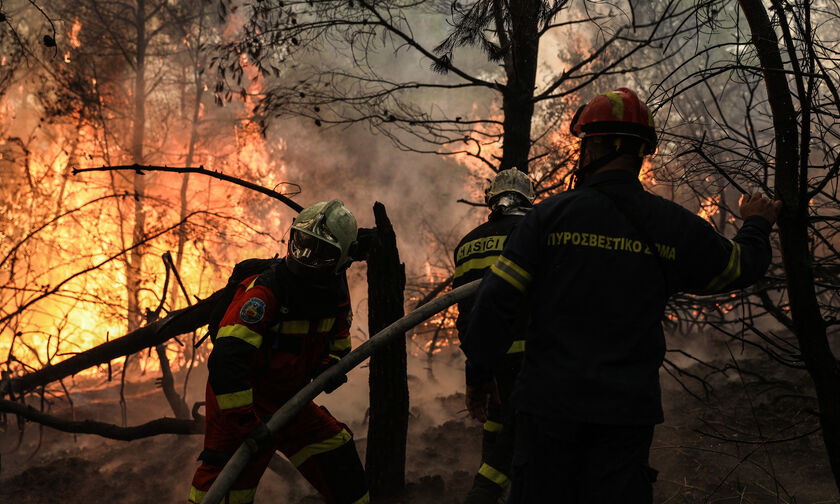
(178, 322)
(111, 431)
(434, 292)
(285, 414)
(758, 441)
(203, 171)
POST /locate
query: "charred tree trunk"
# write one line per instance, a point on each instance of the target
(521, 70)
(808, 323)
(167, 384)
(387, 431)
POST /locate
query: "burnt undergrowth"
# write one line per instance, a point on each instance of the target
(752, 437)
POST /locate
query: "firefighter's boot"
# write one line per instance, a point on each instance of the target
(485, 491)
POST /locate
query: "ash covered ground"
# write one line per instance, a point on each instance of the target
(750, 405)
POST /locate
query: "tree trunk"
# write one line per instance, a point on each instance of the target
(167, 384)
(135, 259)
(518, 94)
(387, 431)
(808, 323)
(185, 181)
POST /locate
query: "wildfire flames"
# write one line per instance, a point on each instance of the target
(709, 207)
(66, 239)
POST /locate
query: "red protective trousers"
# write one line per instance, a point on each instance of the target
(275, 335)
(316, 443)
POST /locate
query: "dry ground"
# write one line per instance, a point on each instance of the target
(747, 409)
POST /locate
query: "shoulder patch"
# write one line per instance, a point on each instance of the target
(252, 311)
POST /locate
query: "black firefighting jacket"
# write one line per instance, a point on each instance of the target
(597, 265)
(474, 255)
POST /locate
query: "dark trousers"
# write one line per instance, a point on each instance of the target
(581, 463)
(497, 444)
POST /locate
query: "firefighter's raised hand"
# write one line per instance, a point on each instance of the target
(756, 204)
(479, 398)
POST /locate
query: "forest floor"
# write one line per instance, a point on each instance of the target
(753, 439)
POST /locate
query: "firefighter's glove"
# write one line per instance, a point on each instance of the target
(332, 383)
(479, 398)
(756, 204)
(261, 436)
(366, 239)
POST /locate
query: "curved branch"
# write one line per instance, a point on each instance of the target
(434, 292)
(154, 428)
(425, 52)
(203, 171)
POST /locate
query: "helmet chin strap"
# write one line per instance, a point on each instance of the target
(316, 276)
(592, 167)
(509, 203)
(622, 148)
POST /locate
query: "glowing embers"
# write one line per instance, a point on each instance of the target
(709, 207)
(438, 333)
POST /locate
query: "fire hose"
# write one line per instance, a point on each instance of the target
(291, 408)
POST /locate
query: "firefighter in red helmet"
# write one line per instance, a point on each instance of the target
(283, 327)
(595, 267)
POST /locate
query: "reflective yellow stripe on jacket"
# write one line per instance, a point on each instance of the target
(474, 264)
(324, 446)
(233, 497)
(364, 500)
(294, 327)
(326, 325)
(341, 344)
(517, 346)
(511, 273)
(730, 273)
(235, 399)
(242, 332)
(491, 426)
(494, 475)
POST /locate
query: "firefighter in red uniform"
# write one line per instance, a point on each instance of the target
(283, 328)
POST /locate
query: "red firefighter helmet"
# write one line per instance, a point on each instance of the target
(618, 112)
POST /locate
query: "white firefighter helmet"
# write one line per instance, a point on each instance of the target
(510, 180)
(320, 238)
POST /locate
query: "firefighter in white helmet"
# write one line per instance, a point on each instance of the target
(509, 197)
(284, 327)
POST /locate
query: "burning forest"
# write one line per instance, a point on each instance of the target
(215, 212)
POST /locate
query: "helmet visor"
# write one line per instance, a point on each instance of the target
(312, 251)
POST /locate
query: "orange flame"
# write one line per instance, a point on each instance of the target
(74, 34)
(709, 207)
(79, 252)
